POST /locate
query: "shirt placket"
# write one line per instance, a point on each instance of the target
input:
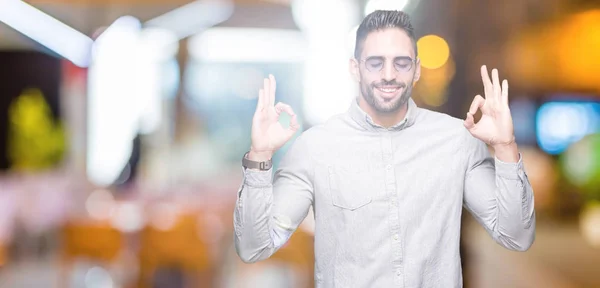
(393, 217)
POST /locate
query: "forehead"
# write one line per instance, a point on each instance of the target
(389, 43)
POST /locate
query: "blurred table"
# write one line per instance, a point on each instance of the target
(559, 258)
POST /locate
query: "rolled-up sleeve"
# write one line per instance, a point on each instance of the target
(499, 196)
(269, 207)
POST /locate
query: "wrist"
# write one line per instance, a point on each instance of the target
(507, 152)
(259, 156)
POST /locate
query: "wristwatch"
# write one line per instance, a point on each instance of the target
(262, 166)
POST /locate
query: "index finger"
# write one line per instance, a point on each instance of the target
(272, 89)
(477, 103)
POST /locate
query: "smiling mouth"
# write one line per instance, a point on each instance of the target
(388, 92)
(388, 89)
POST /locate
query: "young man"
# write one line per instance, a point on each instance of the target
(387, 180)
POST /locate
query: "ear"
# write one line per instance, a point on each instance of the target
(417, 71)
(354, 69)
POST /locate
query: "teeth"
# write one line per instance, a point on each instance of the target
(388, 90)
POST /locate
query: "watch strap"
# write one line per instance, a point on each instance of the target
(263, 166)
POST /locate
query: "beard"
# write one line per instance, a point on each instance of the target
(381, 105)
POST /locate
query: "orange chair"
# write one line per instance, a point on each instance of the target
(2, 254)
(295, 258)
(298, 253)
(92, 240)
(177, 246)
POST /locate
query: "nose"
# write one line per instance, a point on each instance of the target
(389, 72)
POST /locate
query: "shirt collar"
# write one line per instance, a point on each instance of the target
(365, 121)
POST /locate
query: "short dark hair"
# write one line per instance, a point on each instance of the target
(380, 20)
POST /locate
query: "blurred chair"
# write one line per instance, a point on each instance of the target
(298, 253)
(177, 248)
(97, 241)
(291, 266)
(3, 256)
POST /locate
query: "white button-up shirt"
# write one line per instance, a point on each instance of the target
(387, 202)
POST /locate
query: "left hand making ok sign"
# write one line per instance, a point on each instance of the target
(495, 126)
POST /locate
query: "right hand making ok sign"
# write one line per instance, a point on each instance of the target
(268, 135)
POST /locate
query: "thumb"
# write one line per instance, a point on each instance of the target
(469, 122)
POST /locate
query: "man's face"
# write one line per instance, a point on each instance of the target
(387, 69)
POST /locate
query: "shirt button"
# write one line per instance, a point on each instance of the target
(398, 273)
(396, 237)
(393, 202)
(388, 167)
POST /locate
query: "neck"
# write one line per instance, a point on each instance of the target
(383, 119)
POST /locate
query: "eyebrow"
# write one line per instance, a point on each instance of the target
(383, 58)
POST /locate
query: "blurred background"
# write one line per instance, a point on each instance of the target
(123, 123)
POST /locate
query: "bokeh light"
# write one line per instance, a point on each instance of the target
(589, 223)
(100, 204)
(127, 217)
(98, 277)
(433, 51)
(581, 164)
(561, 123)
